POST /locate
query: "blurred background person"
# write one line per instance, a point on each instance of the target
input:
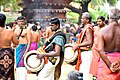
(95, 58)
(35, 38)
(75, 75)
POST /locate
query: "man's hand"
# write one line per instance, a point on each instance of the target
(24, 55)
(75, 47)
(115, 66)
(40, 56)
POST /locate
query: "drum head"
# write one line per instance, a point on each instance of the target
(31, 62)
(70, 55)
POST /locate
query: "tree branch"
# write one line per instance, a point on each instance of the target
(74, 9)
(88, 1)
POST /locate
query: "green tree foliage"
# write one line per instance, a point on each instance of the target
(83, 7)
(97, 12)
(101, 2)
(13, 4)
(94, 10)
(72, 16)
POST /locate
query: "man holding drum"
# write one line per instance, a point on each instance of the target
(85, 44)
(54, 53)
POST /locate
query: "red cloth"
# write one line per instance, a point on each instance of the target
(94, 63)
(95, 58)
(79, 61)
(104, 73)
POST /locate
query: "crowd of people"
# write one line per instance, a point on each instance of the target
(97, 44)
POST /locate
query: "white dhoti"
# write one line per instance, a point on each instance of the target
(21, 73)
(47, 73)
(86, 57)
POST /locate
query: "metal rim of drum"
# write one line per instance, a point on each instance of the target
(72, 59)
(38, 68)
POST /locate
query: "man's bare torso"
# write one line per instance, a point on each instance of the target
(111, 35)
(6, 38)
(49, 32)
(88, 36)
(23, 37)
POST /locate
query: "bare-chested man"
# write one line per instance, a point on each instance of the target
(109, 47)
(86, 41)
(95, 58)
(7, 37)
(35, 38)
(24, 36)
(49, 32)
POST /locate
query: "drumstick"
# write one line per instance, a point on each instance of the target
(41, 50)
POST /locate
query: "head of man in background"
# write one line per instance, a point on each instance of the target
(101, 21)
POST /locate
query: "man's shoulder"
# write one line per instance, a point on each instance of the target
(59, 36)
(88, 26)
(28, 30)
(48, 29)
(9, 30)
(59, 40)
(106, 28)
(36, 33)
(104, 31)
(95, 27)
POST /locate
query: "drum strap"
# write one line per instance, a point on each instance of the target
(49, 41)
(79, 61)
(20, 34)
(53, 36)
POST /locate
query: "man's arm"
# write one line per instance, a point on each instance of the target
(29, 38)
(38, 37)
(57, 47)
(14, 38)
(17, 32)
(101, 51)
(118, 60)
(48, 31)
(55, 52)
(115, 66)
